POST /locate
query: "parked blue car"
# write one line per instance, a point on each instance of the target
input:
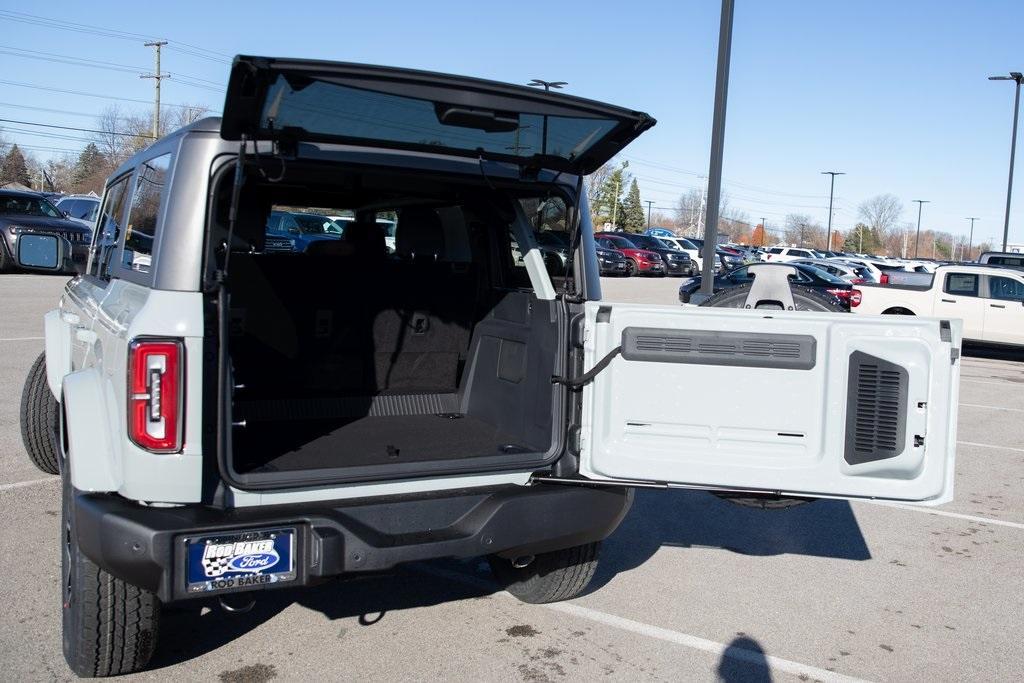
(295, 231)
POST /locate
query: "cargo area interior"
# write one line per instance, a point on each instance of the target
(411, 342)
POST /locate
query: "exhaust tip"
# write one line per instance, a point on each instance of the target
(237, 604)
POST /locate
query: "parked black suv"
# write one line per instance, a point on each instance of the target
(28, 213)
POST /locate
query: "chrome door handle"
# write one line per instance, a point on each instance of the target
(948, 301)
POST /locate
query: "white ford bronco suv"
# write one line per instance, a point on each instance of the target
(235, 408)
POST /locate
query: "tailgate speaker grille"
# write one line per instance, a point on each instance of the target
(876, 408)
(703, 347)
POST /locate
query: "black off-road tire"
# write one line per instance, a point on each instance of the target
(109, 627)
(804, 299)
(40, 419)
(551, 577)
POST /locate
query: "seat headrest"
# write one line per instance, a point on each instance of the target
(420, 234)
(366, 238)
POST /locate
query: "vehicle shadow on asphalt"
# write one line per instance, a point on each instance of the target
(825, 528)
(202, 626)
(695, 519)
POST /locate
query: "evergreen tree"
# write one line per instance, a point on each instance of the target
(632, 218)
(89, 162)
(862, 240)
(14, 169)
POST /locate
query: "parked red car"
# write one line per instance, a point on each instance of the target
(638, 261)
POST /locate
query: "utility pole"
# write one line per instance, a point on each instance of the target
(970, 240)
(157, 76)
(648, 203)
(831, 194)
(1017, 77)
(764, 229)
(917, 238)
(615, 203)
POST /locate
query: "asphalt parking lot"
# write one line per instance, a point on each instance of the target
(690, 588)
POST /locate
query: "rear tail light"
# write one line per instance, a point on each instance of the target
(855, 298)
(839, 293)
(156, 394)
(857, 281)
(884, 279)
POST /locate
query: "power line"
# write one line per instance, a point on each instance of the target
(54, 57)
(84, 130)
(89, 94)
(64, 25)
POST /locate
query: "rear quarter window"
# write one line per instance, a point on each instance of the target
(140, 233)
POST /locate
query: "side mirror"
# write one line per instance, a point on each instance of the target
(43, 252)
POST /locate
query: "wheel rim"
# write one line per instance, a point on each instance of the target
(630, 268)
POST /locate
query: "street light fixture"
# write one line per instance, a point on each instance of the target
(1017, 77)
(917, 238)
(831, 193)
(970, 240)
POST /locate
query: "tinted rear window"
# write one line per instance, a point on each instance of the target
(1015, 261)
(336, 110)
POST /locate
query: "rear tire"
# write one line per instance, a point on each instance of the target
(551, 577)
(631, 268)
(40, 419)
(804, 299)
(109, 627)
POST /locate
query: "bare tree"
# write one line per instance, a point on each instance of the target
(881, 213)
(802, 230)
(596, 180)
(690, 211)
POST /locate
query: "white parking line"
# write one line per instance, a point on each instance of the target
(954, 515)
(978, 405)
(985, 381)
(658, 633)
(989, 445)
(22, 339)
(24, 484)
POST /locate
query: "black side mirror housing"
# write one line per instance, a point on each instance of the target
(41, 252)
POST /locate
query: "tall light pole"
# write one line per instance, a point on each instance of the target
(717, 148)
(917, 238)
(1017, 77)
(831, 193)
(970, 240)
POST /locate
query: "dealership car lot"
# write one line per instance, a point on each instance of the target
(691, 587)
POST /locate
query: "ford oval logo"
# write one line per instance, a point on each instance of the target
(254, 562)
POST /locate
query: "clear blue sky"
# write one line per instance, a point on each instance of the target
(893, 93)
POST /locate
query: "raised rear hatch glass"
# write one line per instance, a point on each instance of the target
(305, 100)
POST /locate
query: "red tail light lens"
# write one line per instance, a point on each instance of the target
(839, 293)
(857, 281)
(884, 279)
(155, 394)
(855, 297)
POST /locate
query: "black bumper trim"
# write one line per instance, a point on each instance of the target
(145, 545)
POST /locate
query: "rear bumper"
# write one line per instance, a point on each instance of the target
(146, 546)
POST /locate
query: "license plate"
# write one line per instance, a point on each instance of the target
(240, 560)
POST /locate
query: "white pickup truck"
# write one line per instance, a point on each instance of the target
(990, 301)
